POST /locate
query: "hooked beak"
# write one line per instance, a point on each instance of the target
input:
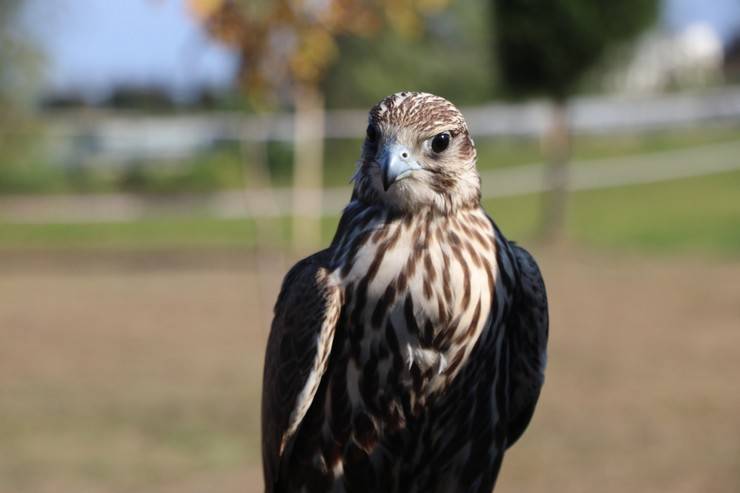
(396, 164)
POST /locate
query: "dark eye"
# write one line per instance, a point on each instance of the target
(372, 133)
(440, 142)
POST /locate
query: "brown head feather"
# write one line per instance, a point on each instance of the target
(447, 181)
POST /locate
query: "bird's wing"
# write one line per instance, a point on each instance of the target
(297, 355)
(526, 339)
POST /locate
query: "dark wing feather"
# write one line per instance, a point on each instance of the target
(526, 339)
(298, 350)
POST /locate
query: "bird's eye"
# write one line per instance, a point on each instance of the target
(373, 134)
(440, 142)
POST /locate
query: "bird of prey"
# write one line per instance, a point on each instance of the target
(408, 355)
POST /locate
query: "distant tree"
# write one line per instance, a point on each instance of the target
(128, 96)
(19, 60)
(545, 48)
(731, 60)
(286, 48)
(63, 100)
(437, 59)
(19, 71)
(7, 50)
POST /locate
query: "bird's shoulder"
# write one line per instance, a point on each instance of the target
(531, 284)
(309, 272)
(297, 354)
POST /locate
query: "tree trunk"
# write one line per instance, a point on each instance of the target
(557, 150)
(307, 168)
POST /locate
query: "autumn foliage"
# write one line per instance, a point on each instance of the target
(286, 42)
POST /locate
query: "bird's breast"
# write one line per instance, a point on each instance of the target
(419, 290)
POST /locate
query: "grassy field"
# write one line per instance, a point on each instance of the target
(129, 373)
(695, 215)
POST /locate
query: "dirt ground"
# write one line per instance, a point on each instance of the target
(140, 372)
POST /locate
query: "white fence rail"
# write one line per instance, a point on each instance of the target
(126, 135)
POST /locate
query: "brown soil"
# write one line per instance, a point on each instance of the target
(141, 373)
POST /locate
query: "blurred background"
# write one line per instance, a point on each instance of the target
(164, 162)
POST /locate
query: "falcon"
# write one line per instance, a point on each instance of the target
(408, 355)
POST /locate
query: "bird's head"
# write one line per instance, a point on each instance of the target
(417, 154)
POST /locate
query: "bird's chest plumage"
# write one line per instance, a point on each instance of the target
(418, 293)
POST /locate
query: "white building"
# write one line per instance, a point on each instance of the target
(689, 58)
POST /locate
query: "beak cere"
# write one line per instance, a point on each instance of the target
(396, 163)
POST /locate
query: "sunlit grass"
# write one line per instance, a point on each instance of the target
(691, 215)
(695, 215)
(688, 215)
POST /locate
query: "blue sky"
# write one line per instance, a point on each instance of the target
(93, 44)
(723, 15)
